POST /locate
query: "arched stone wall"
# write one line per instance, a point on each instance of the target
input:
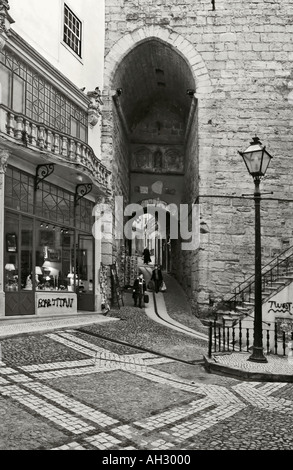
(242, 63)
(180, 44)
(113, 133)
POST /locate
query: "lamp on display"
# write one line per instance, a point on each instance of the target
(46, 267)
(10, 281)
(38, 272)
(10, 267)
(47, 282)
(55, 274)
(70, 277)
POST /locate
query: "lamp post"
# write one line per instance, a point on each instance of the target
(257, 160)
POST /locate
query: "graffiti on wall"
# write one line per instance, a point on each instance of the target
(280, 307)
(57, 302)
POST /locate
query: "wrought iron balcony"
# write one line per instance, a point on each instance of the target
(39, 137)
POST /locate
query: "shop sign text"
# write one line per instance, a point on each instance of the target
(57, 302)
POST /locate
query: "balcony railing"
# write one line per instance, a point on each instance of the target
(38, 136)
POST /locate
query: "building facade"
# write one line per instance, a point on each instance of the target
(149, 101)
(51, 66)
(189, 84)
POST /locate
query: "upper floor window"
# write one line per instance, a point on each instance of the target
(12, 89)
(24, 91)
(72, 31)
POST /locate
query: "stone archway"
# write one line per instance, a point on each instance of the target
(152, 167)
(184, 47)
(199, 91)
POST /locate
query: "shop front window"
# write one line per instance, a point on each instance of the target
(19, 190)
(26, 254)
(42, 252)
(54, 257)
(11, 262)
(13, 90)
(54, 203)
(84, 264)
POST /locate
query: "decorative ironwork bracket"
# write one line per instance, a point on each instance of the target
(81, 190)
(42, 172)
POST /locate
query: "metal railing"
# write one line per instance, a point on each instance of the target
(225, 339)
(35, 135)
(273, 273)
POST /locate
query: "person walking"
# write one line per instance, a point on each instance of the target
(146, 256)
(157, 277)
(139, 288)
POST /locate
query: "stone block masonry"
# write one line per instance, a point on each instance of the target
(241, 56)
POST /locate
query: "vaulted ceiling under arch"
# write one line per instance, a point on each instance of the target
(154, 78)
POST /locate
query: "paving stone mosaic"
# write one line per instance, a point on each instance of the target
(174, 427)
(89, 397)
(36, 349)
(279, 365)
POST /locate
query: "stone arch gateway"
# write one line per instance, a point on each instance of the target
(184, 47)
(155, 85)
(242, 79)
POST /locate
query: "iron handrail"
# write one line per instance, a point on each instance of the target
(264, 267)
(238, 292)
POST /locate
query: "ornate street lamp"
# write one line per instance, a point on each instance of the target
(257, 160)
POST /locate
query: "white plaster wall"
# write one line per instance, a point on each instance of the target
(279, 305)
(40, 23)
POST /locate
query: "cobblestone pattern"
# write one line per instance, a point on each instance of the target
(73, 405)
(168, 417)
(45, 409)
(71, 446)
(275, 364)
(263, 401)
(178, 305)
(194, 426)
(8, 329)
(210, 408)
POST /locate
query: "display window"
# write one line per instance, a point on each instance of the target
(49, 246)
(54, 266)
(11, 256)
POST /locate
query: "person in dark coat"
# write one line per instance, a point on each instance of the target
(157, 277)
(146, 256)
(139, 288)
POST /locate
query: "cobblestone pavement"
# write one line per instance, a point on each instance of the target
(80, 404)
(70, 390)
(275, 365)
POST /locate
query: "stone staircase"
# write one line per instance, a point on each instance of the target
(276, 275)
